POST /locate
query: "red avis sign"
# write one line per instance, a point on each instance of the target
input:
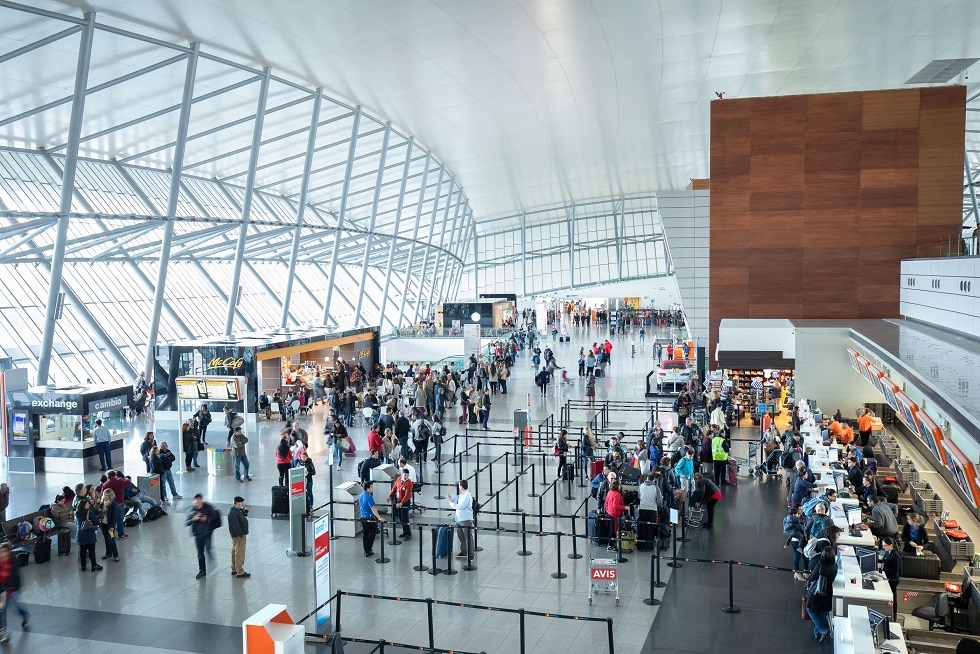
(297, 488)
(603, 574)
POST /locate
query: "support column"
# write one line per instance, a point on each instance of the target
(443, 279)
(340, 214)
(371, 223)
(476, 264)
(177, 167)
(398, 218)
(428, 247)
(441, 256)
(620, 230)
(571, 248)
(64, 206)
(301, 208)
(253, 159)
(415, 234)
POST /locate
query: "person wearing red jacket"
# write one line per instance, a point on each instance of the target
(607, 348)
(401, 492)
(374, 440)
(615, 509)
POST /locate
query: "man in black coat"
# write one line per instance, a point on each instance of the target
(238, 527)
(402, 428)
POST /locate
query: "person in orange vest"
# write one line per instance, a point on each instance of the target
(847, 434)
(835, 428)
(864, 426)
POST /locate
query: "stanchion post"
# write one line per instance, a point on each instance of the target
(432, 630)
(440, 496)
(731, 608)
(421, 567)
(619, 541)
(609, 635)
(469, 567)
(674, 563)
(652, 600)
(541, 515)
(497, 502)
(517, 492)
(478, 457)
(544, 466)
(559, 574)
(490, 465)
(435, 562)
(466, 444)
(521, 613)
(461, 465)
(658, 583)
(383, 558)
(449, 556)
(394, 536)
(333, 532)
(683, 518)
(574, 554)
(554, 497)
(506, 469)
(532, 493)
(524, 551)
(476, 531)
(569, 486)
(340, 594)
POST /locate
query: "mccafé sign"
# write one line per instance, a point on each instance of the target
(230, 363)
(363, 354)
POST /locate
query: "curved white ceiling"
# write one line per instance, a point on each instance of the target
(536, 102)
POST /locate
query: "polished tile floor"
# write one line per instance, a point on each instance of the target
(151, 602)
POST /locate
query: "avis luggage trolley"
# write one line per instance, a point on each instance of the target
(603, 577)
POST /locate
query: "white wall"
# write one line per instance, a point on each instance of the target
(753, 335)
(944, 292)
(824, 372)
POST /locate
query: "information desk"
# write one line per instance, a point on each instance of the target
(847, 594)
(839, 518)
(852, 635)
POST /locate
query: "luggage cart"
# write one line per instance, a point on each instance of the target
(751, 461)
(603, 577)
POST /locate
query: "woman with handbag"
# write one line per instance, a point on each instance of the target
(88, 524)
(108, 526)
(820, 593)
(284, 459)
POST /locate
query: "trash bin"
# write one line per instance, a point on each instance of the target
(150, 486)
(219, 461)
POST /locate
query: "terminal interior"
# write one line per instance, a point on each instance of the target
(754, 223)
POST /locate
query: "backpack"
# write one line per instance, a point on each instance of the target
(423, 433)
(360, 469)
(811, 505)
(814, 547)
(440, 435)
(655, 454)
(23, 529)
(214, 523)
(153, 513)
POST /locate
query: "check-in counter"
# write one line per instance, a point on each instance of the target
(850, 591)
(839, 517)
(852, 635)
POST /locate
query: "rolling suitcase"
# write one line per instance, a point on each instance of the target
(595, 467)
(732, 472)
(280, 500)
(598, 528)
(42, 550)
(64, 541)
(443, 539)
(568, 472)
(627, 540)
(926, 566)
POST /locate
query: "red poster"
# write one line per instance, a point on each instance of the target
(297, 488)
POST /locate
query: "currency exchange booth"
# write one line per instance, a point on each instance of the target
(49, 429)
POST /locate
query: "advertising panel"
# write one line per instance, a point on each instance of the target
(964, 472)
(853, 355)
(874, 376)
(888, 389)
(907, 410)
(931, 434)
(321, 567)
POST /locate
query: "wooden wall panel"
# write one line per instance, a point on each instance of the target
(815, 200)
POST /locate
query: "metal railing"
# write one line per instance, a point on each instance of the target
(960, 246)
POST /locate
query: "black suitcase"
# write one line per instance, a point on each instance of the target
(64, 541)
(892, 491)
(568, 472)
(280, 500)
(21, 556)
(598, 528)
(926, 566)
(42, 550)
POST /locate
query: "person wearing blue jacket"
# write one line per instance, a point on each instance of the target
(793, 530)
(685, 469)
(86, 537)
(804, 482)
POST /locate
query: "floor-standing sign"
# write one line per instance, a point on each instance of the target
(321, 586)
(297, 512)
